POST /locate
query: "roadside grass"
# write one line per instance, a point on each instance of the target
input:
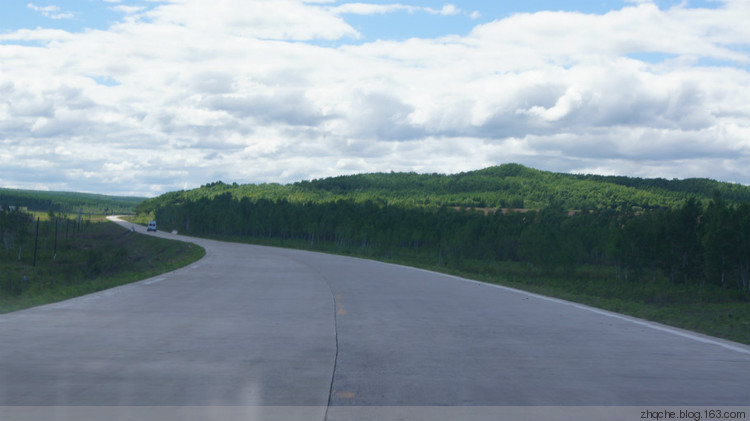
(102, 256)
(710, 310)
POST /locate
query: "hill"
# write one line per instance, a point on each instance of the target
(504, 186)
(516, 186)
(68, 202)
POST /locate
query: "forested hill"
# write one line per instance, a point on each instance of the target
(67, 202)
(505, 186)
(679, 232)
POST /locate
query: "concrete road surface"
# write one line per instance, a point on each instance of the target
(251, 326)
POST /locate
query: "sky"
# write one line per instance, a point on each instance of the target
(141, 97)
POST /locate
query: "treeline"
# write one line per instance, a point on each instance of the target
(517, 186)
(691, 244)
(67, 202)
(697, 187)
(505, 186)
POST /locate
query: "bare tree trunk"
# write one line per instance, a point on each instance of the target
(5, 243)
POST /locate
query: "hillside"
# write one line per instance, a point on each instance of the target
(68, 202)
(516, 186)
(505, 186)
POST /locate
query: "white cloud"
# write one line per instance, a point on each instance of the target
(264, 19)
(449, 10)
(129, 10)
(380, 9)
(370, 9)
(193, 91)
(52, 12)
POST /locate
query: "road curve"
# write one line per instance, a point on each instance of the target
(242, 326)
(259, 326)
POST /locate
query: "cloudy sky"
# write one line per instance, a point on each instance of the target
(140, 97)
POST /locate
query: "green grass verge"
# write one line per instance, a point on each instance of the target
(103, 256)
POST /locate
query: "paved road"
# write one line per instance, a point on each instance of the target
(251, 325)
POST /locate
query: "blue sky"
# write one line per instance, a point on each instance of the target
(79, 15)
(403, 25)
(68, 15)
(140, 97)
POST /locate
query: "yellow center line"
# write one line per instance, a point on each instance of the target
(345, 395)
(339, 307)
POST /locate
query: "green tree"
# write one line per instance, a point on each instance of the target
(542, 239)
(719, 241)
(682, 251)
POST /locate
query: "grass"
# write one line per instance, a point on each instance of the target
(101, 256)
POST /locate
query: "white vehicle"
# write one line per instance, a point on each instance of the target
(151, 226)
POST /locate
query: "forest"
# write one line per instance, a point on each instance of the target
(690, 233)
(67, 202)
(505, 186)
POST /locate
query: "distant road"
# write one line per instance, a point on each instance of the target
(260, 326)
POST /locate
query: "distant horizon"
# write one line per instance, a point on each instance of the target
(363, 173)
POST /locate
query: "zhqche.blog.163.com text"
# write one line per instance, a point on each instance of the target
(693, 414)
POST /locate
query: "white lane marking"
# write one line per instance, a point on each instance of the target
(661, 328)
(153, 281)
(651, 325)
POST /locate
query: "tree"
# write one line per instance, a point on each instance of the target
(742, 246)
(542, 239)
(719, 241)
(682, 251)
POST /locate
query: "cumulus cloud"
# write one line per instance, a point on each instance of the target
(192, 91)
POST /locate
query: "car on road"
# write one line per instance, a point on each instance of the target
(151, 226)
